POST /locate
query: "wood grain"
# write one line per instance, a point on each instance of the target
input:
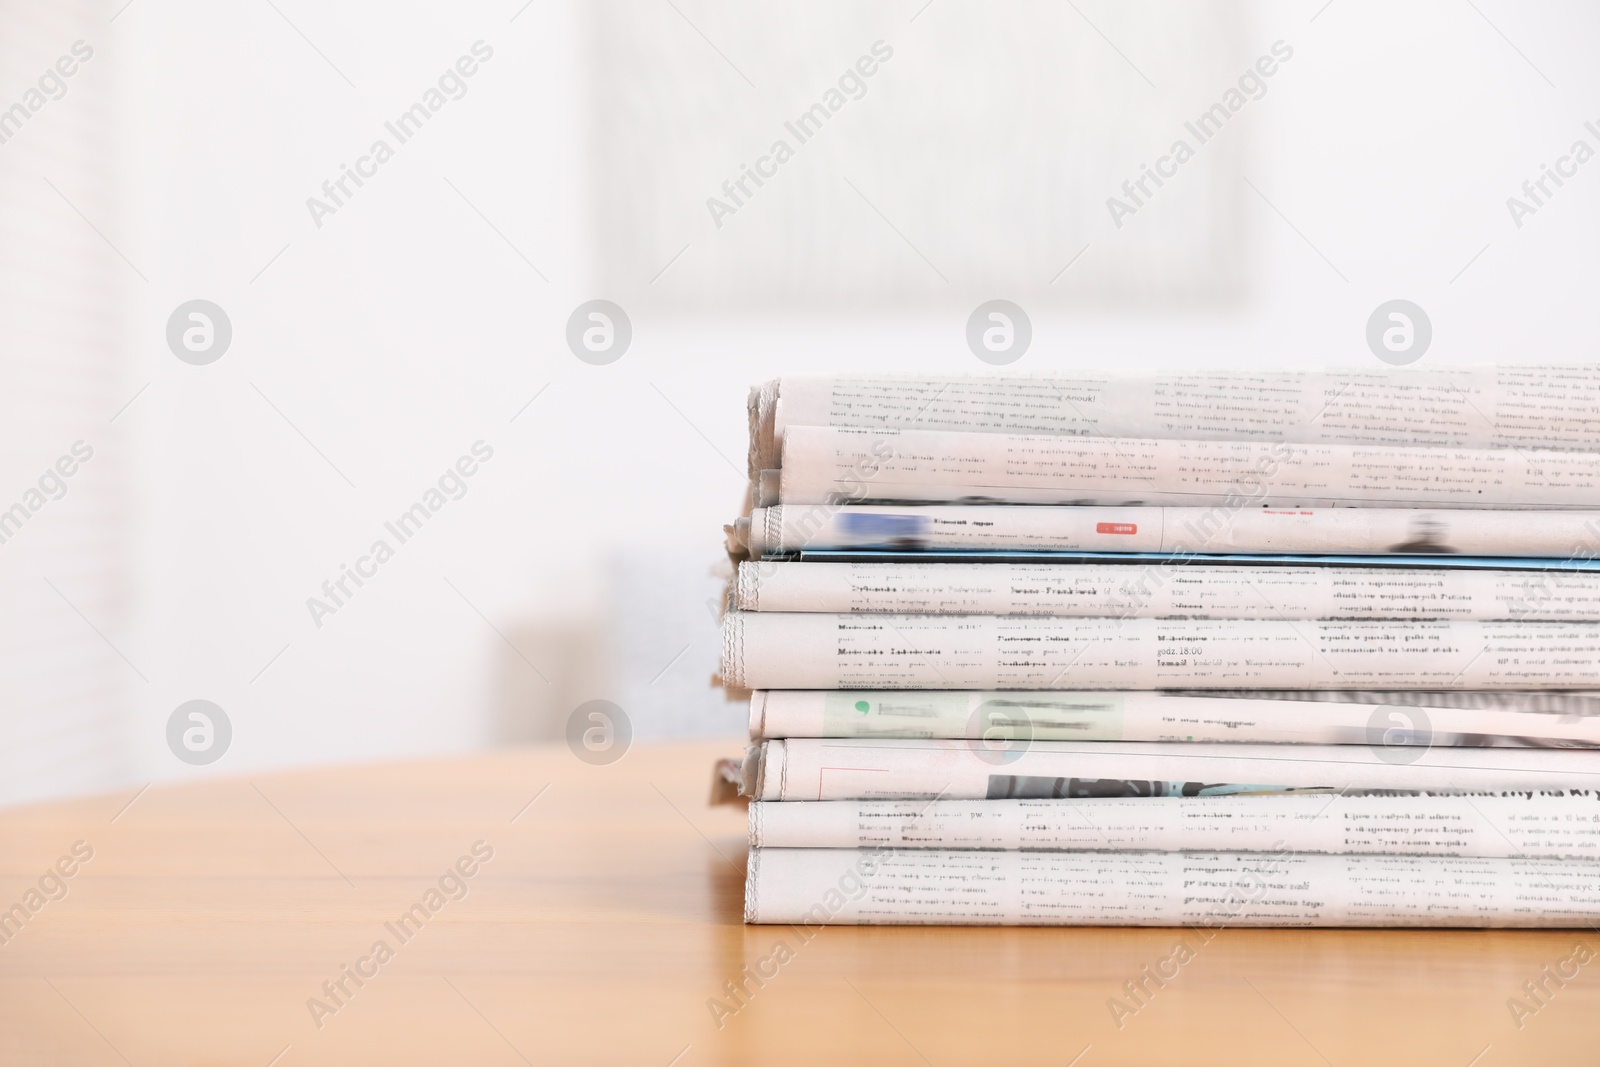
(608, 918)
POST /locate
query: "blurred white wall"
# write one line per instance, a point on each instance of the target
(371, 352)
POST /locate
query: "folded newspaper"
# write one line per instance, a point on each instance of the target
(1192, 591)
(1531, 719)
(827, 650)
(1560, 825)
(1538, 407)
(813, 886)
(1180, 531)
(828, 466)
(895, 769)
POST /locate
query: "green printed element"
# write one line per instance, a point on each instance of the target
(875, 713)
(1001, 716)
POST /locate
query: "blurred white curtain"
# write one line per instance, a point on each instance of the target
(64, 290)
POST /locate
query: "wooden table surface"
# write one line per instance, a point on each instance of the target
(609, 918)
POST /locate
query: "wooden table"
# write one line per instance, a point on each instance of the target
(610, 915)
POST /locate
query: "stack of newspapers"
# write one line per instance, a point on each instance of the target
(1211, 648)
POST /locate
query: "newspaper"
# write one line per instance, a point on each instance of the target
(1522, 825)
(1556, 534)
(1202, 890)
(883, 769)
(1555, 407)
(828, 466)
(1554, 719)
(1191, 591)
(804, 650)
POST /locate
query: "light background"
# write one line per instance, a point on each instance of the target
(372, 351)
